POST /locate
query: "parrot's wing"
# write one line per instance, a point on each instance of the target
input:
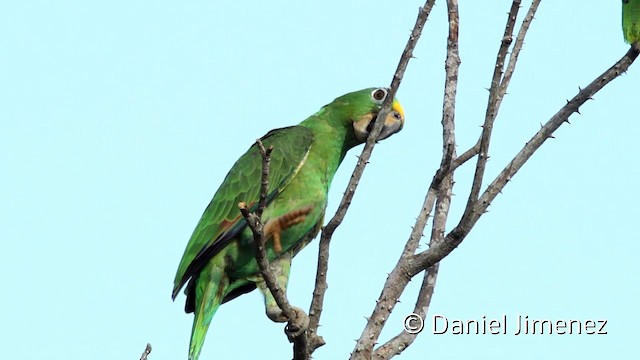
(221, 220)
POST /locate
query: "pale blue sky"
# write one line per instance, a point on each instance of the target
(120, 119)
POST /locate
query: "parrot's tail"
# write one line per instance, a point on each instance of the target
(210, 289)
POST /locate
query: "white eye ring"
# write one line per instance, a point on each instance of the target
(379, 94)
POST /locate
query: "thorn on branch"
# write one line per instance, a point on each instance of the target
(147, 351)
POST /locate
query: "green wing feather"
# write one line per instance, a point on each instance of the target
(631, 20)
(221, 220)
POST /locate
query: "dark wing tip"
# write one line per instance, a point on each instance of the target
(174, 293)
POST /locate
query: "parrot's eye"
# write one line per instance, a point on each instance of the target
(379, 94)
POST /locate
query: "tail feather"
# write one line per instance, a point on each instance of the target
(210, 289)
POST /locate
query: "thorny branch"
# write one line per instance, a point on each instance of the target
(517, 47)
(315, 310)
(495, 99)
(498, 90)
(440, 189)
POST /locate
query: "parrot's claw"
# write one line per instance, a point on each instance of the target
(298, 325)
(274, 227)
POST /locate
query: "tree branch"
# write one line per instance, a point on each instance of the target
(315, 310)
(441, 185)
(495, 99)
(256, 226)
(254, 222)
(264, 178)
(517, 47)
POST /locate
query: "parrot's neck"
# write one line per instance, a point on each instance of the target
(330, 145)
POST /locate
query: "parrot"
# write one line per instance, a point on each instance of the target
(219, 262)
(631, 20)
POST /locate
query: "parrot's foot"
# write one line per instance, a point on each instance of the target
(298, 325)
(274, 227)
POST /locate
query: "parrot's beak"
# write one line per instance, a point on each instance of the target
(392, 124)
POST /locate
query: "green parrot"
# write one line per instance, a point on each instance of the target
(631, 20)
(219, 263)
